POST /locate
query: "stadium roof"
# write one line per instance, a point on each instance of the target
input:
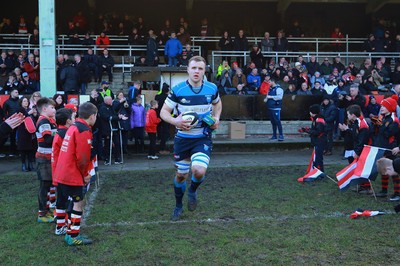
(372, 6)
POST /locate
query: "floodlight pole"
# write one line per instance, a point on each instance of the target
(47, 45)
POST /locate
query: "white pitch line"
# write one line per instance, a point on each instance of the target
(90, 201)
(227, 220)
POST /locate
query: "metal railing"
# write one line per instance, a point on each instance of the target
(129, 53)
(315, 42)
(126, 50)
(216, 56)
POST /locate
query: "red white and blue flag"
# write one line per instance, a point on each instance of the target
(92, 172)
(346, 177)
(313, 175)
(366, 167)
(312, 172)
(312, 159)
(360, 170)
(365, 213)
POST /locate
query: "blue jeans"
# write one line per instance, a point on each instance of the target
(275, 116)
(172, 61)
(83, 88)
(229, 90)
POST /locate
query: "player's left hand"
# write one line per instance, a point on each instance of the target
(216, 124)
(86, 179)
(395, 151)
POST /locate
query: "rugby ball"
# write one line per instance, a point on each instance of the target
(192, 117)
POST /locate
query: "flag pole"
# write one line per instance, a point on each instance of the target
(378, 148)
(372, 188)
(97, 181)
(333, 180)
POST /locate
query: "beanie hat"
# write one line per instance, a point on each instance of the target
(72, 107)
(326, 96)
(315, 109)
(390, 103)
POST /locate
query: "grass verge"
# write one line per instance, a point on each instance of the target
(254, 216)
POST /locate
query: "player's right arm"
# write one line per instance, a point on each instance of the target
(176, 121)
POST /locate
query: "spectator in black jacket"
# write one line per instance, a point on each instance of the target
(312, 66)
(339, 65)
(122, 107)
(162, 127)
(329, 111)
(97, 100)
(240, 44)
(354, 97)
(34, 38)
(225, 44)
(83, 73)
(87, 40)
(396, 75)
(74, 39)
(370, 44)
(92, 61)
(61, 63)
(27, 86)
(257, 57)
(69, 78)
(151, 50)
(109, 120)
(11, 84)
(105, 63)
(6, 64)
(281, 43)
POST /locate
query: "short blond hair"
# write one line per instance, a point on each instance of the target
(197, 58)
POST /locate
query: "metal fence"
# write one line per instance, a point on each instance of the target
(346, 57)
(312, 43)
(128, 54)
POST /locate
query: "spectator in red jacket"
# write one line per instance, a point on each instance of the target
(265, 85)
(151, 128)
(32, 67)
(72, 171)
(102, 41)
(338, 36)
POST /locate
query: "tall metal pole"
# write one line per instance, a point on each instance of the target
(47, 44)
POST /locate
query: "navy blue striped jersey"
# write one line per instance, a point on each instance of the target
(183, 98)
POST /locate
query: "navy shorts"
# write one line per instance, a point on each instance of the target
(184, 148)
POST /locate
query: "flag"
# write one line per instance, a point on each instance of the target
(366, 167)
(361, 169)
(346, 176)
(92, 172)
(365, 213)
(310, 164)
(313, 175)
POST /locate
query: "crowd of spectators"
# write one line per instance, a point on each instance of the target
(300, 76)
(19, 71)
(119, 113)
(306, 78)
